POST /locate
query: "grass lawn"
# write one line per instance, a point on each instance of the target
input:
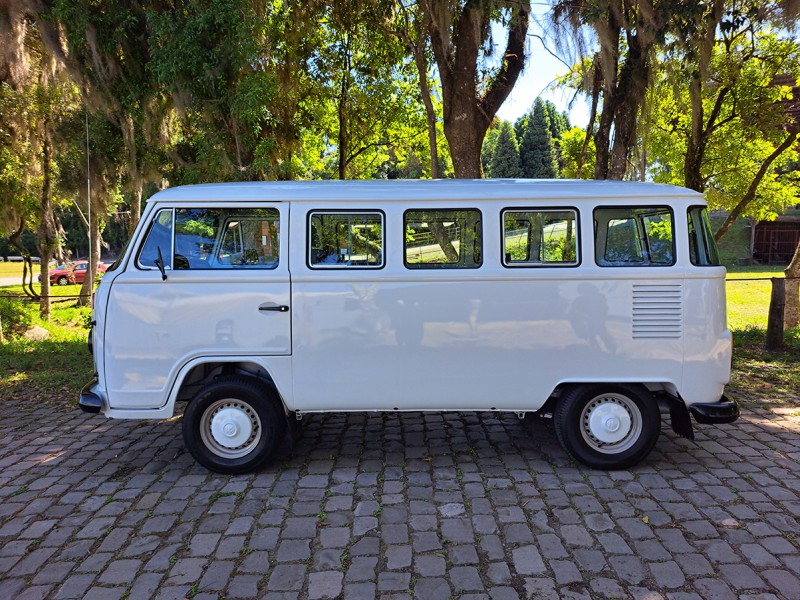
(748, 290)
(12, 269)
(51, 370)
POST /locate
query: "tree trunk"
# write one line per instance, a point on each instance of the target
(344, 94)
(48, 233)
(456, 40)
(629, 98)
(94, 259)
(135, 172)
(425, 91)
(791, 316)
(597, 82)
(465, 137)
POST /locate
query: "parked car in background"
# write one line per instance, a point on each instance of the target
(73, 272)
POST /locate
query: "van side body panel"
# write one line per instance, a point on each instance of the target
(392, 338)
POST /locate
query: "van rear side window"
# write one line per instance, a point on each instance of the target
(443, 239)
(702, 247)
(539, 238)
(345, 239)
(634, 236)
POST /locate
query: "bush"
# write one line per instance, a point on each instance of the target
(15, 315)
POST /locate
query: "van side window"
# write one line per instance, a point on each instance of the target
(540, 237)
(634, 236)
(213, 238)
(249, 238)
(345, 239)
(443, 239)
(702, 247)
(159, 237)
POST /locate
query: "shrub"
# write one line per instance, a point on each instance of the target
(15, 316)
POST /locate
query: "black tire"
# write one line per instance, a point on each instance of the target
(62, 280)
(253, 419)
(626, 415)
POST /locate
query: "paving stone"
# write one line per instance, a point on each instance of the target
(285, 578)
(390, 581)
(432, 588)
(667, 574)
(360, 591)
(566, 572)
(528, 561)
(327, 584)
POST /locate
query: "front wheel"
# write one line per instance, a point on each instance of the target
(233, 425)
(62, 280)
(607, 426)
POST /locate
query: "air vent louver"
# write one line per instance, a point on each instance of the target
(657, 311)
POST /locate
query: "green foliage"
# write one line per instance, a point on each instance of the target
(538, 156)
(747, 118)
(505, 157)
(571, 148)
(15, 316)
(489, 143)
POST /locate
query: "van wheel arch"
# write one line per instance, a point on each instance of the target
(607, 425)
(233, 424)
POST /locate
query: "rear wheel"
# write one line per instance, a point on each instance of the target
(607, 426)
(233, 425)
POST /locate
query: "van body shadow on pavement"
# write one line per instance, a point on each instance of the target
(445, 505)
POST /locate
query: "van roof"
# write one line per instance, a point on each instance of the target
(422, 189)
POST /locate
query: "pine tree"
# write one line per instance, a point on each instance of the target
(538, 157)
(559, 122)
(505, 158)
(487, 151)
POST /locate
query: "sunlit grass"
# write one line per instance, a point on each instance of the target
(748, 290)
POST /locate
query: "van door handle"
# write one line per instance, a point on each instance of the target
(274, 307)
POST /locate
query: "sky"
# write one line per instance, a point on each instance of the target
(541, 70)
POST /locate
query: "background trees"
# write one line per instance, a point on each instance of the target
(188, 91)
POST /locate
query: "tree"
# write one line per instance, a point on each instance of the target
(577, 154)
(489, 143)
(410, 25)
(538, 157)
(460, 35)
(105, 46)
(746, 130)
(368, 84)
(36, 97)
(505, 158)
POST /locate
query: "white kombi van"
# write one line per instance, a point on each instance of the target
(596, 303)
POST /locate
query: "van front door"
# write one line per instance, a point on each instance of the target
(204, 280)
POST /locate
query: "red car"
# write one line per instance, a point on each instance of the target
(73, 273)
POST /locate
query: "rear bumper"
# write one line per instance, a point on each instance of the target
(724, 411)
(90, 400)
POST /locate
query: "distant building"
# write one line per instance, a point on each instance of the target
(775, 242)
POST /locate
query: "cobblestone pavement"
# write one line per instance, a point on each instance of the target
(395, 506)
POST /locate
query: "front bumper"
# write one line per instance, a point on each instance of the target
(90, 400)
(724, 411)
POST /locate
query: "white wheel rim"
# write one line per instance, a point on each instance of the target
(611, 423)
(230, 428)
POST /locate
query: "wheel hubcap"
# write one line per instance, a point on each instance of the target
(611, 423)
(230, 428)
